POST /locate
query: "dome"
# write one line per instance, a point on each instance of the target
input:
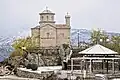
(46, 11)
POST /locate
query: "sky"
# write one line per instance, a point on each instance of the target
(18, 16)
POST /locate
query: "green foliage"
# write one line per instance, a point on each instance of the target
(113, 43)
(19, 43)
(97, 35)
(23, 42)
(16, 52)
(65, 46)
(116, 43)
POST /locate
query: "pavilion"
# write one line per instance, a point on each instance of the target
(97, 59)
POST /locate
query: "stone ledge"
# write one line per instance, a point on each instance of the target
(34, 74)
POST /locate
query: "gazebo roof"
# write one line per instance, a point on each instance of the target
(98, 49)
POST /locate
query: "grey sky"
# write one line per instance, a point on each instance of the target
(20, 15)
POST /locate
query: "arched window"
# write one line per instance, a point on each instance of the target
(52, 17)
(47, 18)
(42, 17)
(48, 35)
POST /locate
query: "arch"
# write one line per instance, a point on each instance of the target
(42, 17)
(47, 18)
(48, 34)
(52, 17)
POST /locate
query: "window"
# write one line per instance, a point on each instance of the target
(47, 18)
(52, 17)
(48, 35)
(42, 17)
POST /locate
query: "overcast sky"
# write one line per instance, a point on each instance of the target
(20, 15)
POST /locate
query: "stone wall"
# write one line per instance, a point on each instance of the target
(47, 36)
(42, 60)
(43, 57)
(35, 36)
(63, 36)
(41, 76)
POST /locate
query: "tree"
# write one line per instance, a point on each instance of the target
(19, 43)
(97, 35)
(116, 43)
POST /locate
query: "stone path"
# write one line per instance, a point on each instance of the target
(13, 77)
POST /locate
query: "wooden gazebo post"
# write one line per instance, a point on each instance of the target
(113, 68)
(71, 64)
(90, 65)
(107, 67)
(81, 65)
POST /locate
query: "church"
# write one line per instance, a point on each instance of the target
(50, 34)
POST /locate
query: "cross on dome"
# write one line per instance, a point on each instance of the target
(46, 10)
(67, 13)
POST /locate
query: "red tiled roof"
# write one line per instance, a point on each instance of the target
(61, 26)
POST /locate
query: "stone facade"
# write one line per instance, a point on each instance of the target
(49, 34)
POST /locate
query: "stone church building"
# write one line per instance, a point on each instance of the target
(50, 34)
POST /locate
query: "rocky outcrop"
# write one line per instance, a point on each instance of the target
(44, 58)
(4, 71)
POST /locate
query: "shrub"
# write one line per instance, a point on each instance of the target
(28, 66)
(34, 67)
(15, 53)
(65, 46)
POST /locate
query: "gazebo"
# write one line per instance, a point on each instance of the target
(97, 59)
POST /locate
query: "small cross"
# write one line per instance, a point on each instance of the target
(67, 13)
(46, 8)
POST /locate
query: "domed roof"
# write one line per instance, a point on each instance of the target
(47, 11)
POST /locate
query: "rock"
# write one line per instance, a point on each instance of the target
(26, 62)
(34, 67)
(34, 58)
(29, 57)
(41, 62)
(4, 71)
(45, 57)
(28, 66)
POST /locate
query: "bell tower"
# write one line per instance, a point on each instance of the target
(67, 18)
(46, 17)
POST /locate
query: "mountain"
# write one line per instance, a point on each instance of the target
(6, 48)
(82, 34)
